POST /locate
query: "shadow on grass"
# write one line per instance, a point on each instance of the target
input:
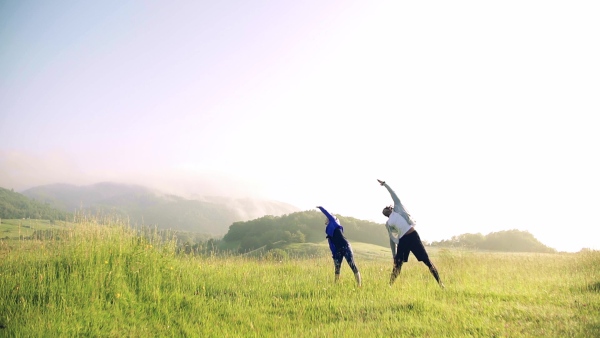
(325, 312)
(593, 330)
(594, 287)
(411, 307)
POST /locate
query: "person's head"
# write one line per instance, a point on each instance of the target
(327, 220)
(387, 211)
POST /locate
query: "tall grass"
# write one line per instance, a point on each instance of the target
(110, 280)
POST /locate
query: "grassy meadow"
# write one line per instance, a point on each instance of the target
(18, 228)
(110, 281)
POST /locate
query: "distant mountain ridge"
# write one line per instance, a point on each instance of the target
(146, 206)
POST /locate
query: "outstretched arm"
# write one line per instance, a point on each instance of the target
(392, 193)
(329, 216)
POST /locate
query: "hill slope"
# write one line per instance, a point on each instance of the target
(150, 207)
(15, 205)
(506, 240)
(300, 227)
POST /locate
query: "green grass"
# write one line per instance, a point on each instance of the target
(107, 281)
(17, 228)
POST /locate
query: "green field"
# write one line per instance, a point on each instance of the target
(17, 228)
(106, 281)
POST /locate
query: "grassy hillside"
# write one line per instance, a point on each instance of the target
(108, 281)
(299, 227)
(362, 251)
(18, 228)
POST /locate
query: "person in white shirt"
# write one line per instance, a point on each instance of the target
(404, 239)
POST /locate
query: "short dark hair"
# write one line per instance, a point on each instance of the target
(387, 211)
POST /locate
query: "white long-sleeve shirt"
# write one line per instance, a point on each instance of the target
(396, 226)
(399, 221)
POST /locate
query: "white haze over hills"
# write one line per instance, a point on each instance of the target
(483, 116)
(143, 205)
(20, 171)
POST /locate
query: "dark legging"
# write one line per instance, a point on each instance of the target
(398, 266)
(339, 256)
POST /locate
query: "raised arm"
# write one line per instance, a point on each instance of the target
(395, 198)
(329, 216)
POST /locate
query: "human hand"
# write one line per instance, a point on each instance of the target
(380, 182)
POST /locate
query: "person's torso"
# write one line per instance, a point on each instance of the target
(397, 226)
(338, 240)
(399, 208)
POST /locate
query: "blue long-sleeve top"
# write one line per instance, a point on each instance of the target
(335, 233)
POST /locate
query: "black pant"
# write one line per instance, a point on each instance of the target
(411, 243)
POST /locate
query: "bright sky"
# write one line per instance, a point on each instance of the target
(481, 115)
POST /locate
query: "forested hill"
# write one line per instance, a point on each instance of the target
(507, 240)
(309, 227)
(15, 205)
(300, 227)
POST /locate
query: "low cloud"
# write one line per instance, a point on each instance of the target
(21, 171)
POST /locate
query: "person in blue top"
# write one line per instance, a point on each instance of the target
(339, 246)
(404, 239)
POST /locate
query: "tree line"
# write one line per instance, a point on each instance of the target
(308, 227)
(507, 240)
(271, 232)
(299, 227)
